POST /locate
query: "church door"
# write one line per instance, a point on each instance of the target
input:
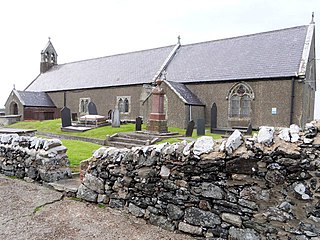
(213, 116)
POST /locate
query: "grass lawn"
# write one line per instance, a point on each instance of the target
(54, 126)
(78, 150)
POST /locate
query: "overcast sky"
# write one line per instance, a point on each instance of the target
(88, 29)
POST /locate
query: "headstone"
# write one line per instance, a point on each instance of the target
(92, 109)
(138, 124)
(213, 116)
(65, 117)
(115, 118)
(249, 129)
(190, 128)
(200, 127)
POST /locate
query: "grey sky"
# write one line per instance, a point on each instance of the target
(88, 29)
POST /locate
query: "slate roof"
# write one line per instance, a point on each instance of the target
(263, 55)
(116, 70)
(184, 93)
(257, 56)
(34, 99)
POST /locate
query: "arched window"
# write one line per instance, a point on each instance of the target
(240, 97)
(126, 105)
(83, 106)
(123, 103)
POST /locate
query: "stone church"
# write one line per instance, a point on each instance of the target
(267, 78)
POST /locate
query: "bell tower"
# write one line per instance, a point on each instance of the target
(48, 57)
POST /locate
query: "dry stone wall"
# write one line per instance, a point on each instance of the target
(263, 187)
(33, 158)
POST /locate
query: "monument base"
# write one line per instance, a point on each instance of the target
(159, 126)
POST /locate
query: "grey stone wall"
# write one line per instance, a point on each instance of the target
(264, 187)
(33, 158)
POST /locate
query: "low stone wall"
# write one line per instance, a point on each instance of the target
(34, 158)
(264, 187)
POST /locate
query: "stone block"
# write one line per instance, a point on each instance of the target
(187, 228)
(162, 222)
(243, 234)
(232, 219)
(86, 194)
(54, 175)
(136, 211)
(203, 144)
(94, 183)
(116, 203)
(210, 190)
(234, 141)
(198, 217)
(174, 212)
(266, 135)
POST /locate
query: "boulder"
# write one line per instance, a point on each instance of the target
(203, 144)
(234, 141)
(266, 135)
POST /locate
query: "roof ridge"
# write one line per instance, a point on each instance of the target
(243, 36)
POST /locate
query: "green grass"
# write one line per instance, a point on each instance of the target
(78, 151)
(54, 126)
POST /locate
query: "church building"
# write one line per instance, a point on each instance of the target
(267, 78)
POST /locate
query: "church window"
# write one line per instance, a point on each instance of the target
(240, 97)
(123, 103)
(83, 106)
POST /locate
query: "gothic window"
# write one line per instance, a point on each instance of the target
(126, 105)
(240, 97)
(123, 103)
(83, 106)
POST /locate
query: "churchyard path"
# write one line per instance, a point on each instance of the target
(31, 211)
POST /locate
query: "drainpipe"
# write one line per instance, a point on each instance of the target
(190, 113)
(292, 100)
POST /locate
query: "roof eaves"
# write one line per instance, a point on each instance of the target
(306, 51)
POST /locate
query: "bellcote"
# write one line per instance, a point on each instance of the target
(48, 57)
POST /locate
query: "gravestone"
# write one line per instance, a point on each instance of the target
(200, 127)
(65, 117)
(213, 116)
(115, 118)
(190, 128)
(92, 109)
(249, 129)
(138, 124)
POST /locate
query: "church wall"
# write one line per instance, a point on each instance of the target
(104, 98)
(8, 110)
(178, 112)
(269, 94)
